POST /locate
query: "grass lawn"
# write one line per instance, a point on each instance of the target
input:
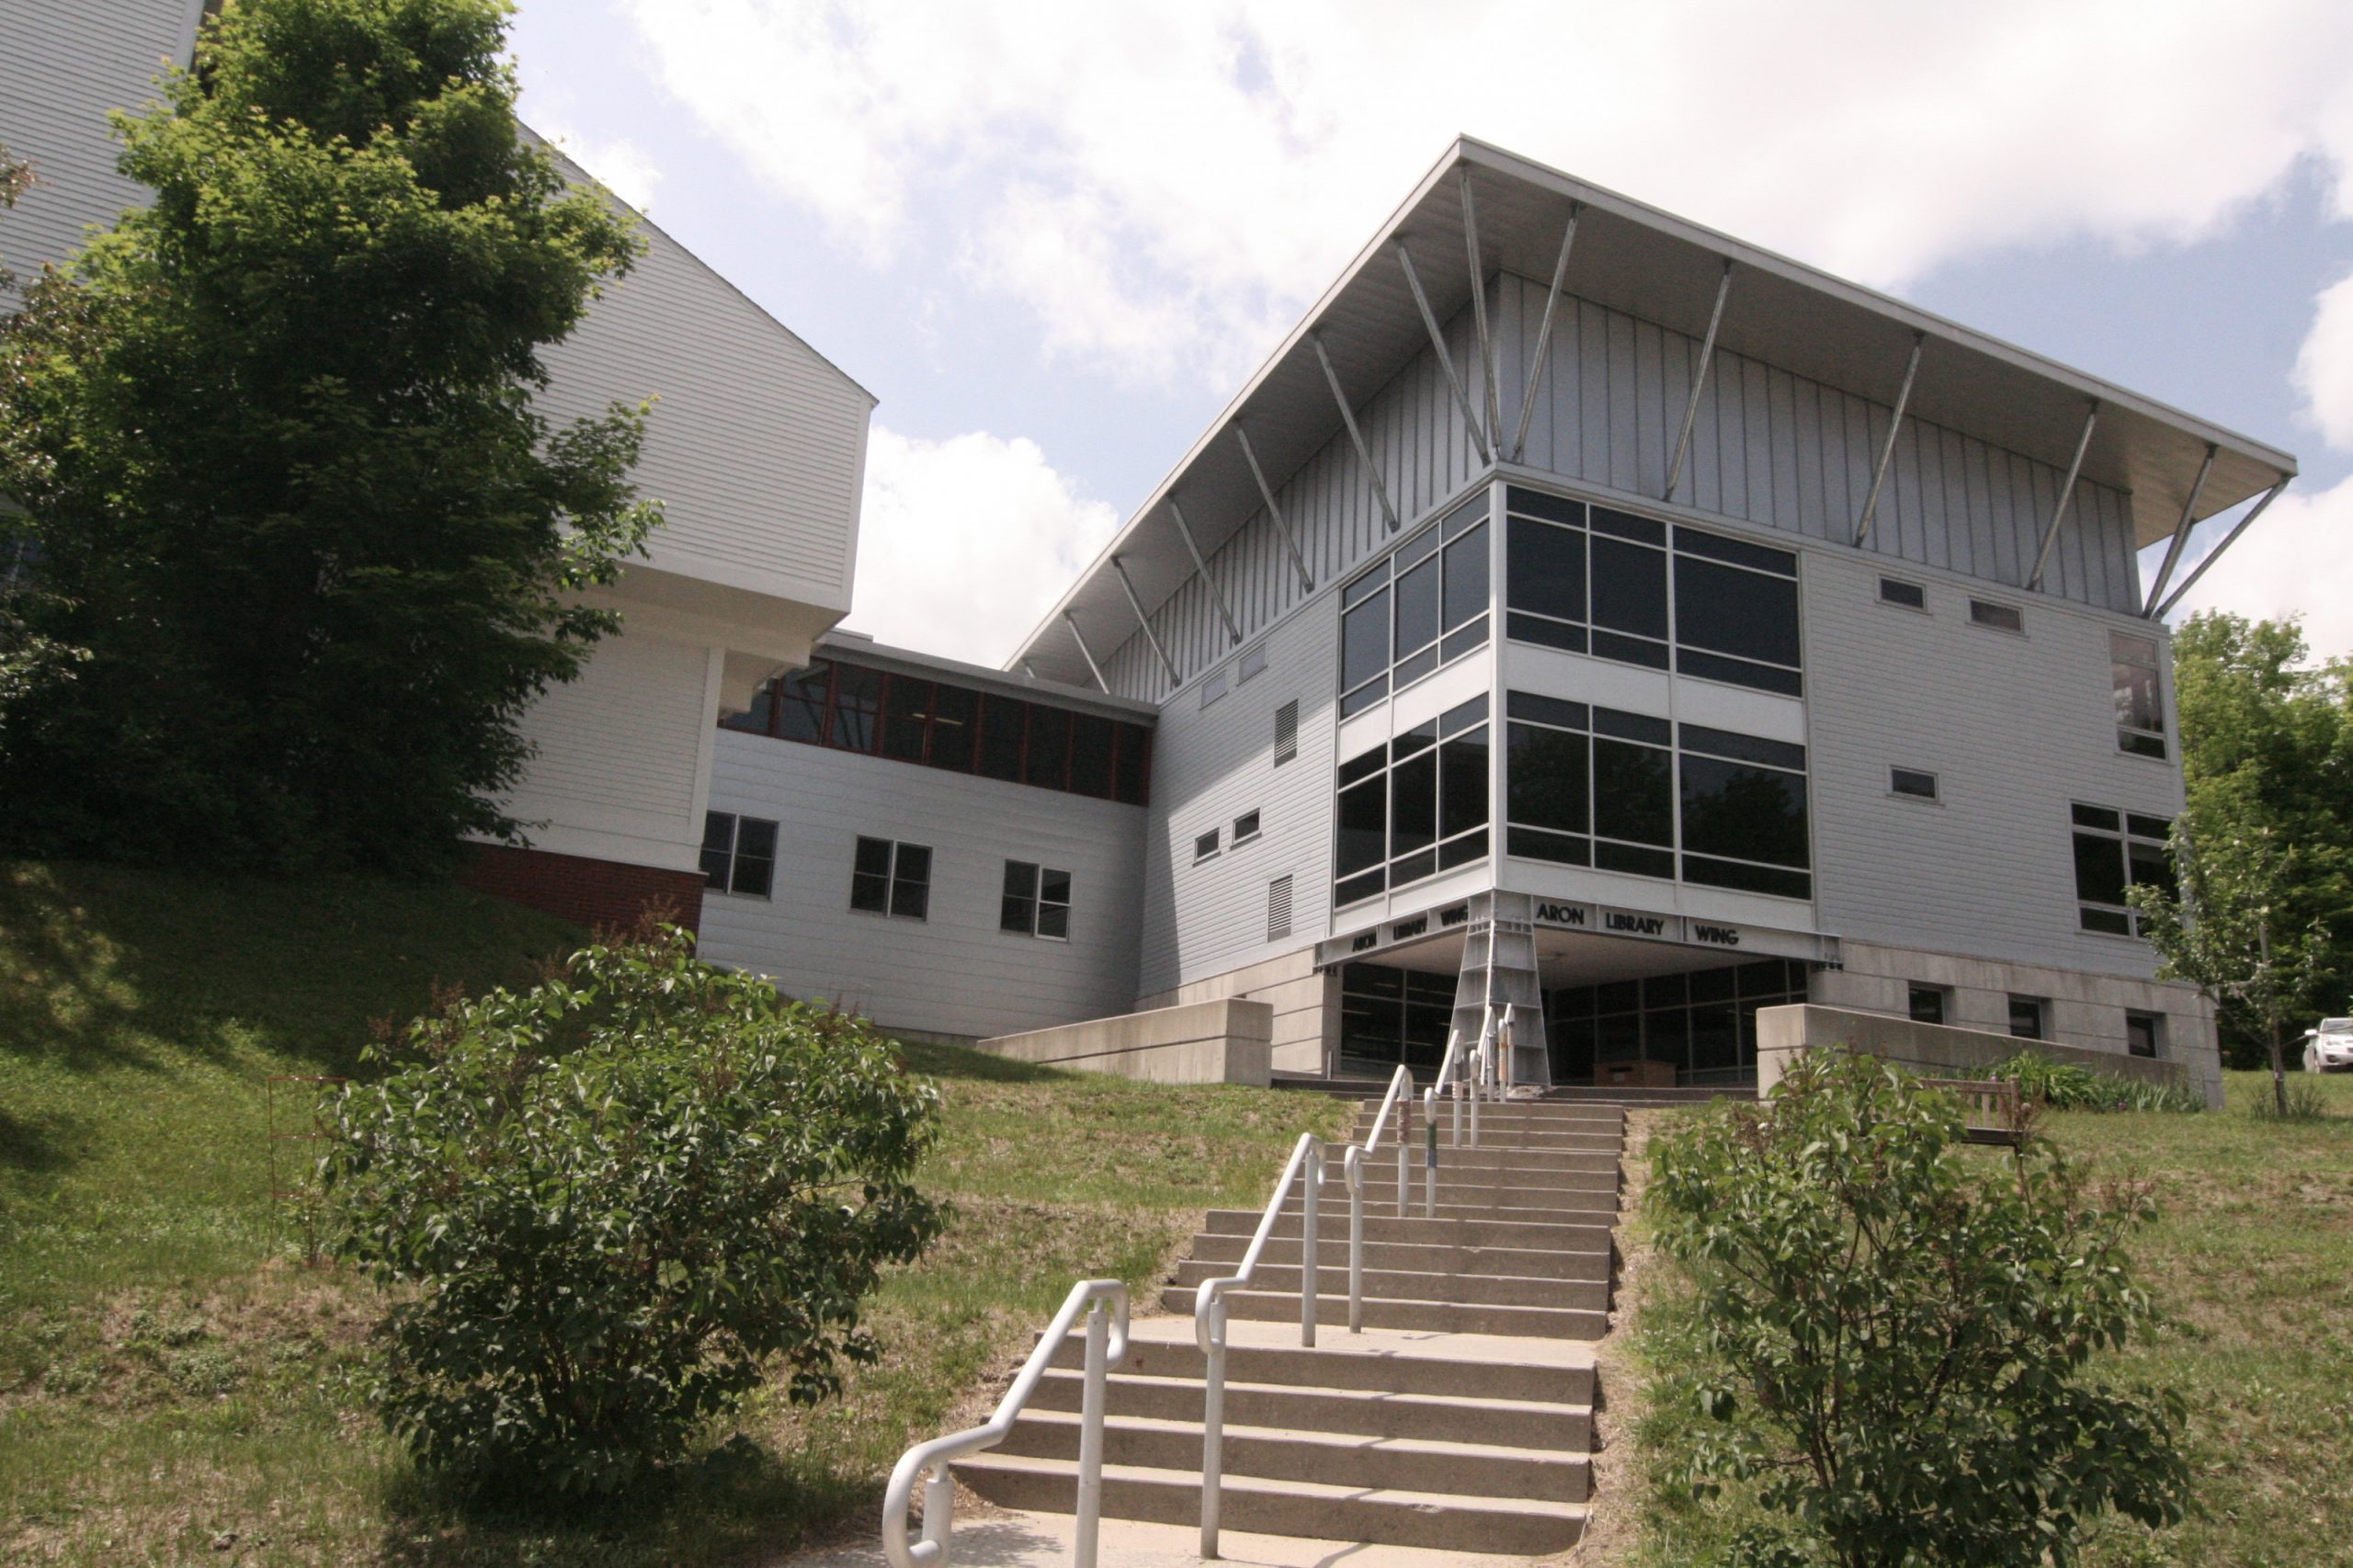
(172, 1377)
(2251, 1263)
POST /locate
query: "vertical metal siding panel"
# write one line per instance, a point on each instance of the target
(1568, 388)
(1910, 528)
(1757, 413)
(1838, 502)
(1651, 395)
(1807, 437)
(1732, 433)
(1958, 533)
(1866, 429)
(1984, 511)
(1625, 412)
(1707, 476)
(1592, 360)
(1780, 392)
(1936, 545)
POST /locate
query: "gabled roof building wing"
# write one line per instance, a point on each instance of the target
(1554, 256)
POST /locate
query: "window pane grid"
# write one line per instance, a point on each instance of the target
(2115, 851)
(1420, 607)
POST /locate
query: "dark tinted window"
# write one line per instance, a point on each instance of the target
(1049, 747)
(1544, 571)
(1364, 641)
(1912, 781)
(955, 715)
(1090, 754)
(755, 857)
(1745, 614)
(2099, 869)
(1742, 811)
(1466, 577)
(1416, 595)
(1001, 719)
(2002, 617)
(869, 880)
(1628, 587)
(800, 703)
(1413, 804)
(905, 716)
(1536, 503)
(1463, 783)
(1363, 826)
(1130, 776)
(1927, 1005)
(1896, 591)
(1546, 784)
(1633, 795)
(1017, 910)
(718, 845)
(857, 708)
(911, 883)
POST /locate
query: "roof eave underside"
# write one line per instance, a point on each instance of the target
(1634, 258)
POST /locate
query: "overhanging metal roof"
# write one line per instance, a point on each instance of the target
(1651, 264)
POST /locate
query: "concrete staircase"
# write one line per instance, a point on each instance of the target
(1461, 1417)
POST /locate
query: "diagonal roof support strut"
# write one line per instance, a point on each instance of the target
(1444, 356)
(1217, 595)
(1348, 417)
(2066, 494)
(1092, 667)
(1699, 384)
(1543, 364)
(2181, 532)
(1267, 493)
(2216, 554)
(1479, 306)
(1119, 569)
(1887, 452)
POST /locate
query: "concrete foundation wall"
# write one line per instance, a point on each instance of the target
(1305, 1002)
(1941, 1051)
(1208, 1042)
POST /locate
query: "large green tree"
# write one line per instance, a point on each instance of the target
(2267, 738)
(281, 468)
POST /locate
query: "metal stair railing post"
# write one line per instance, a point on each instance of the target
(1429, 1153)
(1449, 1080)
(1401, 1084)
(1209, 1320)
(1105, 1302)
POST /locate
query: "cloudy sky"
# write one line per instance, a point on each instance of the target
(1054, 235)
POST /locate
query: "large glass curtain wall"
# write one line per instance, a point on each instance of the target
(1413, 806)
(1388, 1016)
(1703, 1023)
(1421, 605)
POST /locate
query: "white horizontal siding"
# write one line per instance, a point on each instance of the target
(616, 752)
(955, 972)
(2016, 729)
(1211, 765)
(63, 65)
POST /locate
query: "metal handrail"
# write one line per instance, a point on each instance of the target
(1209, 1318)
(1105, 1302)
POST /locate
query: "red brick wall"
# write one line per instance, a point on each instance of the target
(596, 893)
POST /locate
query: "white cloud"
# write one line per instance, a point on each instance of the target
(964, 544)
(2297, 559)
(2325, 366)
(1164, 182)
(620, 165)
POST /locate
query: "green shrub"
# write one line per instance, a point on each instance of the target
(2063, 1086)
(1897, 1331)
(2305, 1102)
(613, 1201)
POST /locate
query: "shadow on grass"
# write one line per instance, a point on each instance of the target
(736, 1500)
(959, 1061)
(38, 1144)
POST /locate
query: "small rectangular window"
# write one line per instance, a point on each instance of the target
(2001, 617)
(1252, 663)
(1926, 1004)
(1018, 911)
(2141, 1032)
(1286, 731)
(1912, 781)
(1245, 827)
(2139, 703)
(1213, 687)
(1896, 591)
(738, 853)
(890, 878)
(1205, 845)
(2026, 1017)
(1279, 909)
(1053, 906)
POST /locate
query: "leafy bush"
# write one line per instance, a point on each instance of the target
(1898, 1329)
(612, 1202)
(2065, 1086)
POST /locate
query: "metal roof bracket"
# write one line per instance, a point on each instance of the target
(1347, 417)
(1274, 513)
(1445, 355)
(1479, 306)
(1887, 452)
(1543, 364)
(1092, 667)
(2216, 554)
(1119, 569)
(2066, 494)
(2181, 530)
(1699, 384)
(1217, 595)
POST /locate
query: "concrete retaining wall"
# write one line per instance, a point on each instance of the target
(1941, 1051)
(1222, 1041)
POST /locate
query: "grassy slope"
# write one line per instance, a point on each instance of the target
(2251, 1263)
(170, 1383)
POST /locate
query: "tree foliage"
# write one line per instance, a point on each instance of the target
(617, 1201)
(1900, 1331)
(2266, 751)
(275, 441)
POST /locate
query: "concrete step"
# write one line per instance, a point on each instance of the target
(1445, 1317)
(1526, 1262)
(1473, 1178)
(1515, 1114)
(1339, 1458)
(1344, 1362)
(1532, 1140)
(1487, 1157)
(1587, 1096)
(1379, 1515)
(1437, 1417)
(1476, 1228)
(1537, 1210)
(1389, 1284)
